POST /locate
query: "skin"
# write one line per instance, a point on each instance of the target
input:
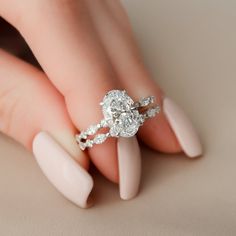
(85, 48)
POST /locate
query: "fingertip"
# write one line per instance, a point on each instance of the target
(157, 134)
(104, 156)
(67, 140)
(183, 128)
(69, 178)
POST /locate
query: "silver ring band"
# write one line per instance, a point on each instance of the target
(122, 118)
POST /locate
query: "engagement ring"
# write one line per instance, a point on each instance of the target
(122, 118)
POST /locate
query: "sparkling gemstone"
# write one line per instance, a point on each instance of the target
(82, 145)
(153, 111)
(115, 102)
(141, 119)
(103, 123)
(115, 131)
(100, 138)
(92, 129)
(146, 101)
(129, 123)
(81, 136)
(89, 143)
(117, 111)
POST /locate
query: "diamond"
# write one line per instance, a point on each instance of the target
(82, 145)
(92, 129)
(103, 123)
(81, 136)
(146, 101)
(129, 123)
(89, 143)
(100, 138)
(141, 119)
(115, 102)
(114, 131)
(153, 111)
(119, 115)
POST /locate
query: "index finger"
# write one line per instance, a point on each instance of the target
(68, 49)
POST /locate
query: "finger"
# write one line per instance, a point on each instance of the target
(171, 130)
(33, 113)
(68, 50)
(67, 37)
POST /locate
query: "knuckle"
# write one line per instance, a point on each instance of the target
(63, 2)
(54, 7)
(9, 101)
(41, 11)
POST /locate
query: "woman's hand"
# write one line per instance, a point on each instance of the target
(85, 48)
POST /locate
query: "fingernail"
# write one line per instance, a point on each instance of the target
(68, 143)
(129, 162)
(183, 128)
(62, 171)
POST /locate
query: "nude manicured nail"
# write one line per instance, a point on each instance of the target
(63, 172)
(182, 128)
(129, 162)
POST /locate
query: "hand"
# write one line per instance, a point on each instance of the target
(86, 48)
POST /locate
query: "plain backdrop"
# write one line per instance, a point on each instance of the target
(190, 48)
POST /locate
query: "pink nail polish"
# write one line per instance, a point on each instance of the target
(182, 128)
(129, 161)
(63, 172)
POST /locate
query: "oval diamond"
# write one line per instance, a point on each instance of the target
(117, 111)
(115, 102)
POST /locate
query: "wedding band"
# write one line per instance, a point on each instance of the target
(122, 118)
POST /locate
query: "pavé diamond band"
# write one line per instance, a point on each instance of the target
(122, 117)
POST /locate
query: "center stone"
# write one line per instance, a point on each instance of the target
(116, 107)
